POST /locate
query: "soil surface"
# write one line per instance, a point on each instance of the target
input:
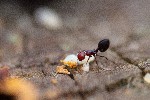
(39, 51)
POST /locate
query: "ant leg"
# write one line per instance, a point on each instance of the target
(104, 68)
(78, 69)
(88, 60)
(107, 59)
(103, 57)
(54, 74)
(71, 76)
(96, 64)
(96, 61)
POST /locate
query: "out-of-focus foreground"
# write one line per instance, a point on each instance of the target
(36, 34)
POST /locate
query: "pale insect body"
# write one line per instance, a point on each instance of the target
(73, 59)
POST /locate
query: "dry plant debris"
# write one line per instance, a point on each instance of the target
(62, 70)
(14, 88)
(18, 89)
(70, 64)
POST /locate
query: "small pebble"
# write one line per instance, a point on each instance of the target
(54, 81)
(48, 18)
(147, 78)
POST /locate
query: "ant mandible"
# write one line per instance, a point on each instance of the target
(89, 55)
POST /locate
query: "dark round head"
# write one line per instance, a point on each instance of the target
(103, 45)
(81, 55)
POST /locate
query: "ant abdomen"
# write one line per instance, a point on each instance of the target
(103, 45)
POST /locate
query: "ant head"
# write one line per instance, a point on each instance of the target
(103, 45)
(81, 55)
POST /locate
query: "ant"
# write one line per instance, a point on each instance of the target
(90, 55)
(82, 58)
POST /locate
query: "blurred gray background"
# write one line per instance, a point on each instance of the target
(34, 27)
(36, 34)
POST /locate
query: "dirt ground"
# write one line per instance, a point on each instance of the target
(33, 51)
